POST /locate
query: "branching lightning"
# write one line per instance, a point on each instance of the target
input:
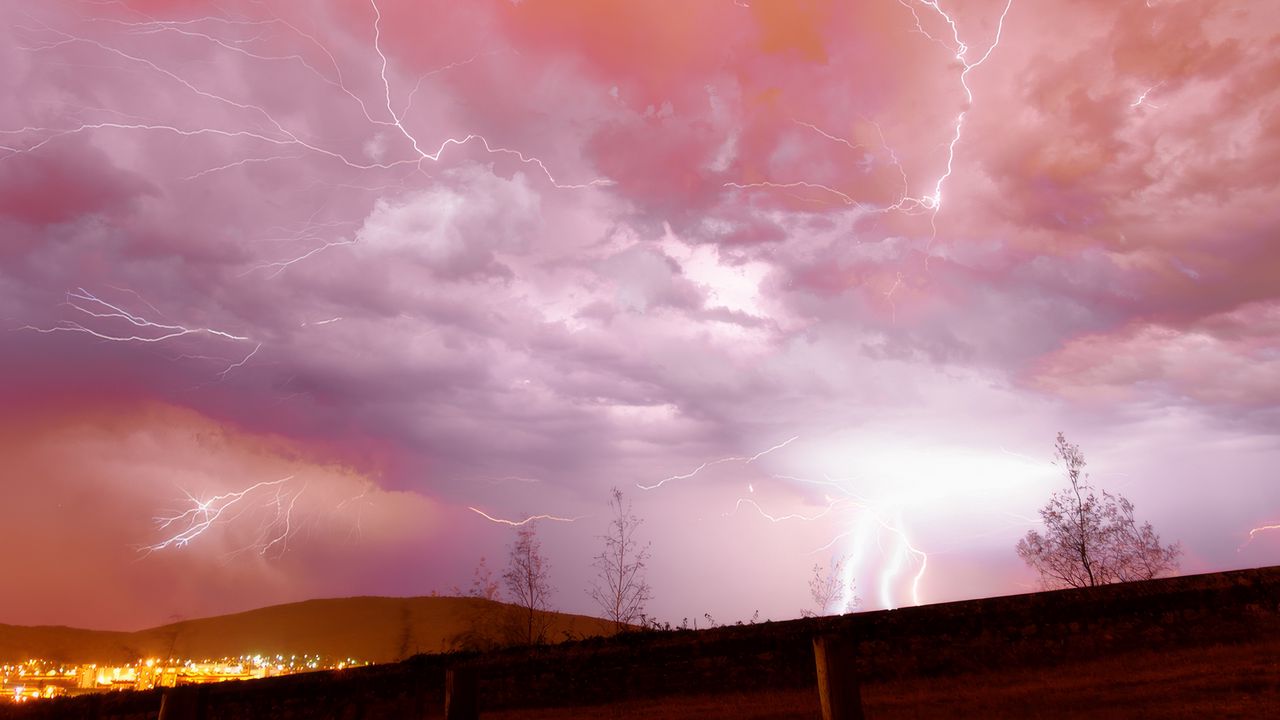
(268, 139)
(181, 529)
(45, 38)
(864, 521)
(280, 266)
(531, 518)
(261, 519)
(961, 50)
(711, 463)
(89, 304)
(138, 329)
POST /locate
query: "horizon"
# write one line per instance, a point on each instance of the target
(692, 620)
(323, 300)
(251, 610)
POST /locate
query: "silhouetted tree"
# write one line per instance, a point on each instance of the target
(486, 623)
(406, 634)
(620, 588)
(528, 584)
(1091, 539)
(483, 584)
(827, 587)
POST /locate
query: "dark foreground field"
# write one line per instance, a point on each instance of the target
(1225, 681)
(1189, 647)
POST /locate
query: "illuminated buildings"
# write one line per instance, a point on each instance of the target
(38, 679)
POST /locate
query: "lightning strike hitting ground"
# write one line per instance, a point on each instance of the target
(864, 519)
(865, 522)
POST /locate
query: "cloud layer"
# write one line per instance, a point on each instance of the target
(427, 257)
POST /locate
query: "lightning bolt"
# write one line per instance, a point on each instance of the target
(397, 121)
(711, 463)
(845, 198)
(263, 137)
(831, 505)
(281, 265)
(277, 133)
(531, 518)
(284, 522)
(866, 522)
(513, 478)
(961, 51)
(89, 304)
(138, 329)
(888, 295)
(902, 550)
(181, 529)
(1254, 532)
(1142, 99)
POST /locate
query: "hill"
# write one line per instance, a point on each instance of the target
(375, 629)
(1185, 647)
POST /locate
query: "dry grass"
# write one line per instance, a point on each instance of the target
(1234, 681)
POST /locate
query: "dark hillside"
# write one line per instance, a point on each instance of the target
(1026, 639)
(373, 629)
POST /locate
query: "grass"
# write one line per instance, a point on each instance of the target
(1221, 681)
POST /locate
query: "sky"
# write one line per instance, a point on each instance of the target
(313, 299)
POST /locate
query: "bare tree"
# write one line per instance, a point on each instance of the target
(483, 627)
(827, 588)
(483, 584)
(528, 584)
(1092, 539)
(620, 588)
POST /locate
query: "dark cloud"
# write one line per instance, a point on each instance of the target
(592, 244)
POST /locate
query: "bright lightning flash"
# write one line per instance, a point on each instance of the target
(275, 502)
(865, 519)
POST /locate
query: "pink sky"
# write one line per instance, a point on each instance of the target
(339, 272)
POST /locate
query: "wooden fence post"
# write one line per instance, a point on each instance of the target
(460, 691)
(838, 686)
